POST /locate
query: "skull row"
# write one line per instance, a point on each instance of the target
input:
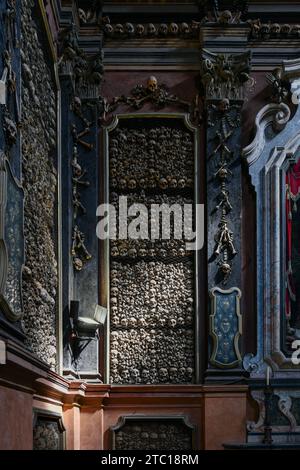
(150, 29)
(134, 249)
(269, 30)
(141, 357)
(151, 294)
(163, 183)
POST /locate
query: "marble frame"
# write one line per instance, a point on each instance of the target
(268, 158)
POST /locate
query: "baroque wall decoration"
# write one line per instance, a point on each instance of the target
(11, 242)
(11, 193)
(226, 327)
(39, 120)
(80, 73)
(267, 31)
(284, 416)
(141, 433)
(48, 431)
(224, 78)
(154, 93)
(151, 30)
(79, 252)
(269, 157)
(152, 307)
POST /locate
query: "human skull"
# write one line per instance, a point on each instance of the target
(173, 183)
(114, 363)
(142, 183)
(296, 30)
(129, 29)
(151, 184)
(224, 105)
(113, 172)
(113, 273)
(132, 184)
(77, 104)
(114, 143)
(142, 252)
(181, 374)
(122, 183)
(151, 30)
(275, 29)
(225, 269)
(173, 29)
(132, 253)
(114, 251)
(181, 251)
(225, 17)
(119, 29)
(140, 29)
(82, 15)
(172, 322)
(77, 263)
(189, 373)
(265, 30)
(255, 30)
(141, 322)
(173, 374)
(152, 84)
(223, 173)
(113, 353)
(135, 373)
(132, 322)
(114, 310)
(115, 320)
(151, 252)
(185, 29)
(163, 374)
(286, 29)
(163, 29)
(163, 183)
(108, 29)
(181, 183)
(114, 291)
(125, 375)
(145, 375)
(123, 251)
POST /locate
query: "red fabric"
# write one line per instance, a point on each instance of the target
(292, 192)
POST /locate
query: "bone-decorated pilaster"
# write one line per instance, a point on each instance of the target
(224, 76)
(80, 77)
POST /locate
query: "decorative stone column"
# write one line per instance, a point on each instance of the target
(224, 76)
(11, 192)
(80, 78)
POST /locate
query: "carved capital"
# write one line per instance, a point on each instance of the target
(85, 70)
(224, 76)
